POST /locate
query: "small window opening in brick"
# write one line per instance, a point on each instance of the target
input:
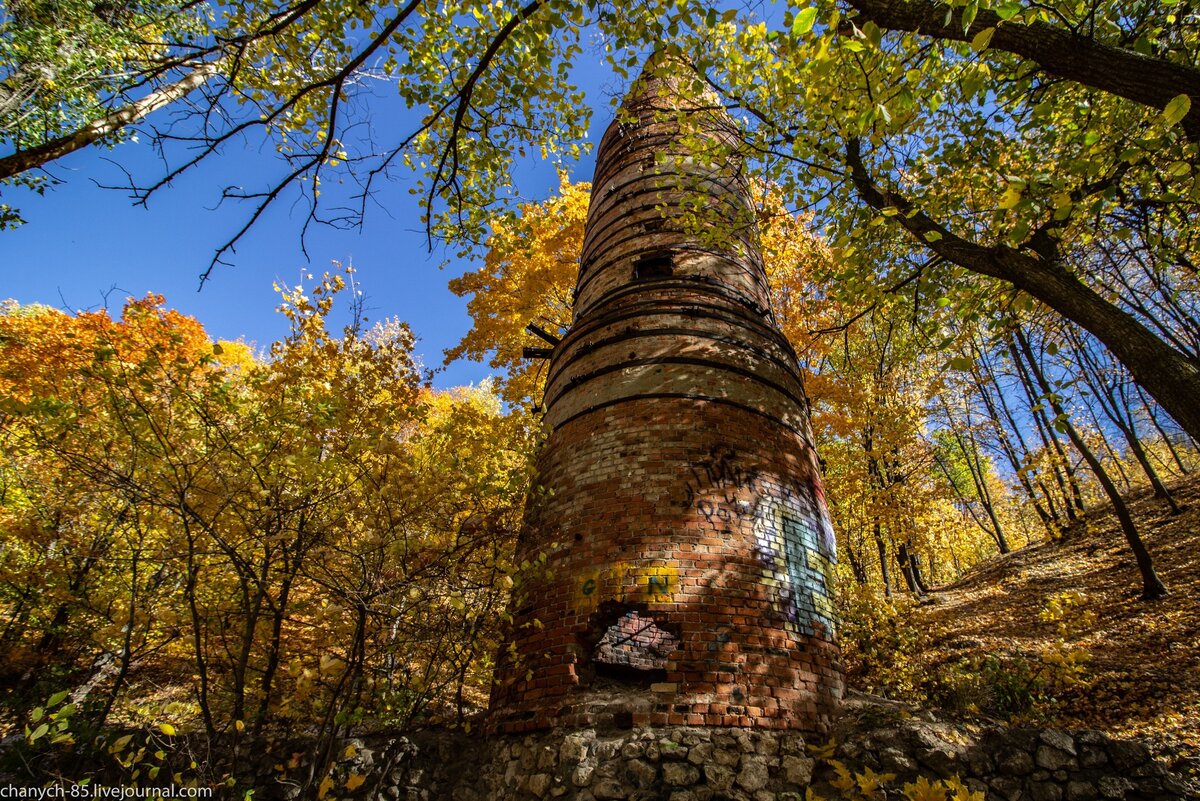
(634, 649)
(653, 265)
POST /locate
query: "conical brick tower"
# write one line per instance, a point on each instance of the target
(680, 549)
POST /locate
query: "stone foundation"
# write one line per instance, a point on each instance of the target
(679, 763)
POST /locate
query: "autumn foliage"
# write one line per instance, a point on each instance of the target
(233, 543)
(230, 542)
(944, 422)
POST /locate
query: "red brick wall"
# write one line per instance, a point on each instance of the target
(673, 509)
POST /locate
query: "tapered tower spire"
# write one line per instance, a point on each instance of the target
(679, 547)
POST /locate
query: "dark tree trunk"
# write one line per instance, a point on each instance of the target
(1010, 452)
(884, 571)
(1183, 470)
(1125, 73)
(909, 569)
(1152, 586)
(1072, 496)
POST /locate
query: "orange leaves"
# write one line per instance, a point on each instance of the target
(528, 277)
(156, 482)
(45, 353)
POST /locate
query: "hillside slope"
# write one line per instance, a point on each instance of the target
(1142, 675)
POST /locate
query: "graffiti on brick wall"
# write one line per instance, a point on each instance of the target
(625, 581)
(794, 538)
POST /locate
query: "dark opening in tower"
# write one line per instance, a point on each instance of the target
(658, 264)
(631, 645)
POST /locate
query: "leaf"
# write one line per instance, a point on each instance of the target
(869, 781)
(167, 729)
(1011, 196)
(932, 236)
(968, 14)
(982, 39)
(38, 732)
(844, 780)
(803, 23)
(1007, 11)
(354, 781)
(325, 786)
(1177, 109)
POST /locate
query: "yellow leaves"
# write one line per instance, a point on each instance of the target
(924, 790)
(528, 276)
(354, 781)
(871, 783)
(325, 786)
(803, 22)
(843, 779)
(981, 40)
(952, 789)
(1012, 195)
(167, 729)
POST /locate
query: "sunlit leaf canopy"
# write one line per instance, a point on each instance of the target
(965, 127)
(932, 140)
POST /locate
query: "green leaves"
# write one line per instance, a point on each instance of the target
(969, 12)
(1177, 109)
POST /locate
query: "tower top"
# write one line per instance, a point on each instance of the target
(670, 198)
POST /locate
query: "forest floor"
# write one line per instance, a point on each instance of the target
(1142, 675)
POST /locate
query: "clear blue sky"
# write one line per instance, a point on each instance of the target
(82, 244)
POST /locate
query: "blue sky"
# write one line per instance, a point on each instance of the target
(85, 247)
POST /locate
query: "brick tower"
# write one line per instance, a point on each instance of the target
(686, 577)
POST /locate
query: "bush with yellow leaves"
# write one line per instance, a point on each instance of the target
(880, 642)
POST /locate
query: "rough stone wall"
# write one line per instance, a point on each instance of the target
(731, 764)
(679, 481)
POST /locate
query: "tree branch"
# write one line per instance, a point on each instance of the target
(97, 130)
(1143, 79)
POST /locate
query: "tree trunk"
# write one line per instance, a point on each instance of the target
(1125, 73)
(1072, 496)
(909, 569)
(1114, 402)
(1152, 586)
(1183, 470)
(98, 130)
(884, 571)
